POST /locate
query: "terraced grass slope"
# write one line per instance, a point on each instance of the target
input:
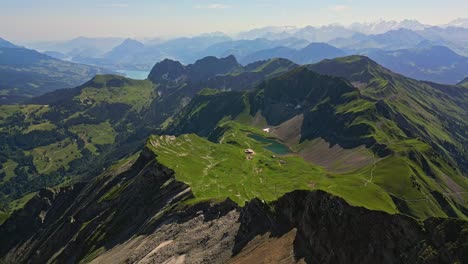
(301, 107)
(27, 73)
(431, 112)
(71, 133)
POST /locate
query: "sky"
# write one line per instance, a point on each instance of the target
(42, 20)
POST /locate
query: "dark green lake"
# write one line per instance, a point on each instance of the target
(271, 145)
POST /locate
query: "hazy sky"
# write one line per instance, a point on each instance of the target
(28, 20)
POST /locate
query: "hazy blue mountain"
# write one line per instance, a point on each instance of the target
(381, 27)
(134, 55)
(278, 52)
(242, 48)
(312, 53)
(309, 33)
(391, 40)
(436, 63)
(25, 73)
(324, 33)
(98, 45)
(6, 44)
(128, 46)
(56, 54)
(459, 22)
(456, 38)
(270, 32)
(329, 32)
(186, 50)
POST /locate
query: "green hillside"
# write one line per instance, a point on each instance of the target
(431, 112)
(222, 169)
(83, 130)
(369, 137)
(71, 134)
(329, 123)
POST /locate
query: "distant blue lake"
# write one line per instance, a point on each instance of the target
(137, 75)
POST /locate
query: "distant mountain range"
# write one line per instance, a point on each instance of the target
(332, 31)
(388, 35)
(312, 53)
(459, 22)
(435, 63)
(309, 33)
(380, 27)
(453, 38)
(78, 46)
(394, 39)
(26, 73)
(132, 54)
(429, 63)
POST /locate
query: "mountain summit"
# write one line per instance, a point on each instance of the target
(174, 71)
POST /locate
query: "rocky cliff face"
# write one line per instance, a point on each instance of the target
(328, 230)
(169, 71)
(138, 212)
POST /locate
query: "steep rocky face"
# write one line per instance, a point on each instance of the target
(107, 212)
(167, 71)
(173, 72)
(138, 212)
(212, 66)
(331, 231)
(178, 84)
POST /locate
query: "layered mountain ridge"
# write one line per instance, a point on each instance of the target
(436, 63)
(300, 111)
(312, 53)
(80, 130)
(218, 162)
